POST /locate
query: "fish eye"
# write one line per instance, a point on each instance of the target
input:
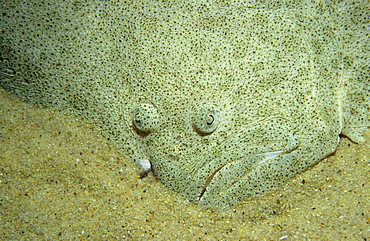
(145, 119)
(206, 120)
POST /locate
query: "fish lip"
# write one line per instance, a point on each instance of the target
(262, 137)
(209, 180)
(268, 156)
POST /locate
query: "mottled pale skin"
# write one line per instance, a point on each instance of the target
(277, 83)
(224, 100)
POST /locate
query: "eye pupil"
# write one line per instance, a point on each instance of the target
(137, 115)
(210, 119)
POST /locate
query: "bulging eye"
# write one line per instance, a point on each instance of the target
(206, 120)
(145, 119)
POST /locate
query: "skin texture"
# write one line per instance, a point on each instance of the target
(225, 101)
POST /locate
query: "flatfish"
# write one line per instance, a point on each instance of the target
(223, 100)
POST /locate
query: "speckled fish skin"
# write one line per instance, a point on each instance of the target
(225, 100)
(275, 77)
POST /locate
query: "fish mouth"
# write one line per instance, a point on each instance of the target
(265, 157)
(229, 174)
(227, 165)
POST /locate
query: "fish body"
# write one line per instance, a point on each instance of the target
(223, 101)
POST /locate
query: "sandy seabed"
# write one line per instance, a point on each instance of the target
(61, 180)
